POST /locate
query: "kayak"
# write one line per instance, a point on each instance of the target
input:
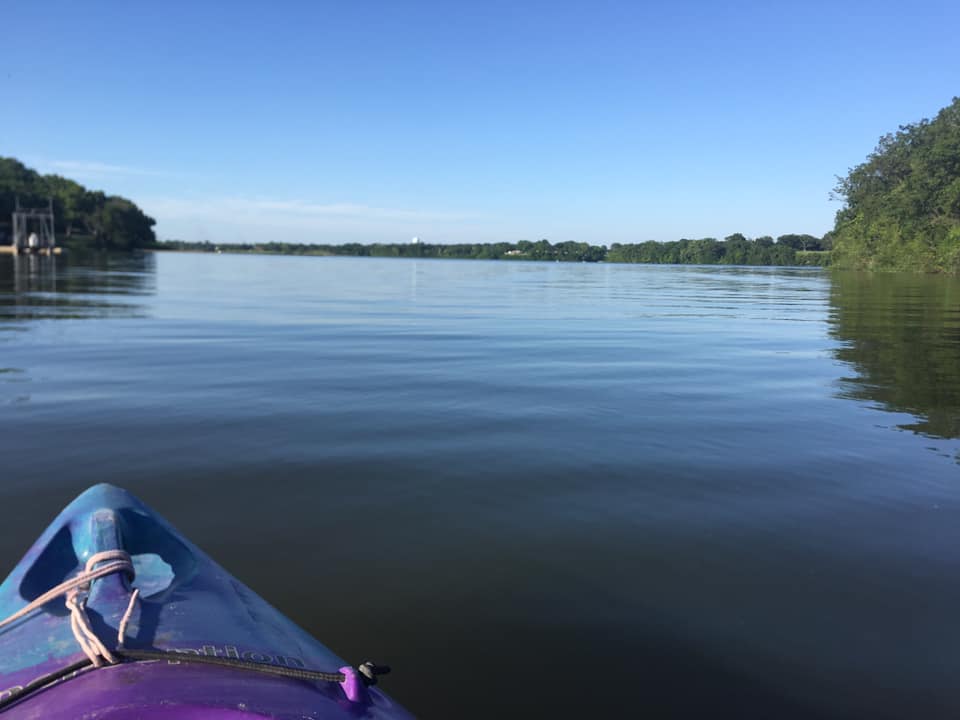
(112, 614)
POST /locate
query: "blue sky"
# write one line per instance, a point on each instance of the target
(372, 121)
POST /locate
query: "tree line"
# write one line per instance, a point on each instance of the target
(82, 217)
(733, 250)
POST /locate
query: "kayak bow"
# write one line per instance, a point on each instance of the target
(113, 614)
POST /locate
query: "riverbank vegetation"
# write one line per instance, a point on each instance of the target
(902, 205)
(734, 250)
(83, 218)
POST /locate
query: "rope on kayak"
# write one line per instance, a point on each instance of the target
(353, 680)
(76, 590)
(41, 682)
(298, 673)
(125, 620)
(366, 672)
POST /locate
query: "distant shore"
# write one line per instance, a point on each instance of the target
(787, 250)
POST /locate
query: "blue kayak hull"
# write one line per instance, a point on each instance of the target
(187, 604)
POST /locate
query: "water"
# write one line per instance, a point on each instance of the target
(537, 490)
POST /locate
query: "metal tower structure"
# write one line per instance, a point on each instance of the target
(33, 228)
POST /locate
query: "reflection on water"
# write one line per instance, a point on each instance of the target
(38, 287)
(901, 334)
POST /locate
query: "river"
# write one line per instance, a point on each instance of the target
(535, 489)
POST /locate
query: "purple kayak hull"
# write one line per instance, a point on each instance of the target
(187, 604)
(155, 690)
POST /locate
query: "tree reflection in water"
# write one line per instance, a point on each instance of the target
(96, 285)
(901, 334)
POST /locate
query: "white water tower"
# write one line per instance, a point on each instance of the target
(415, 241)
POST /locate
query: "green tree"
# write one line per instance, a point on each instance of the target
(902, 205)
(82, 217)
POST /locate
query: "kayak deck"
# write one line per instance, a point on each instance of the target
(186, 604)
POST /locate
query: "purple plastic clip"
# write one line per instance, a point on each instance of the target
(353, 685)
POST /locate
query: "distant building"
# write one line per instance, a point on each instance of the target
(415, 241)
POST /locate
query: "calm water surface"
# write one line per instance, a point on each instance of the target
(537, 490)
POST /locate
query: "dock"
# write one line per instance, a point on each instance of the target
(14, 250)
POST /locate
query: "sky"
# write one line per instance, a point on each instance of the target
(487, 121)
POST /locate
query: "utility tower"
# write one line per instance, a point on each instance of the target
(33, 229)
